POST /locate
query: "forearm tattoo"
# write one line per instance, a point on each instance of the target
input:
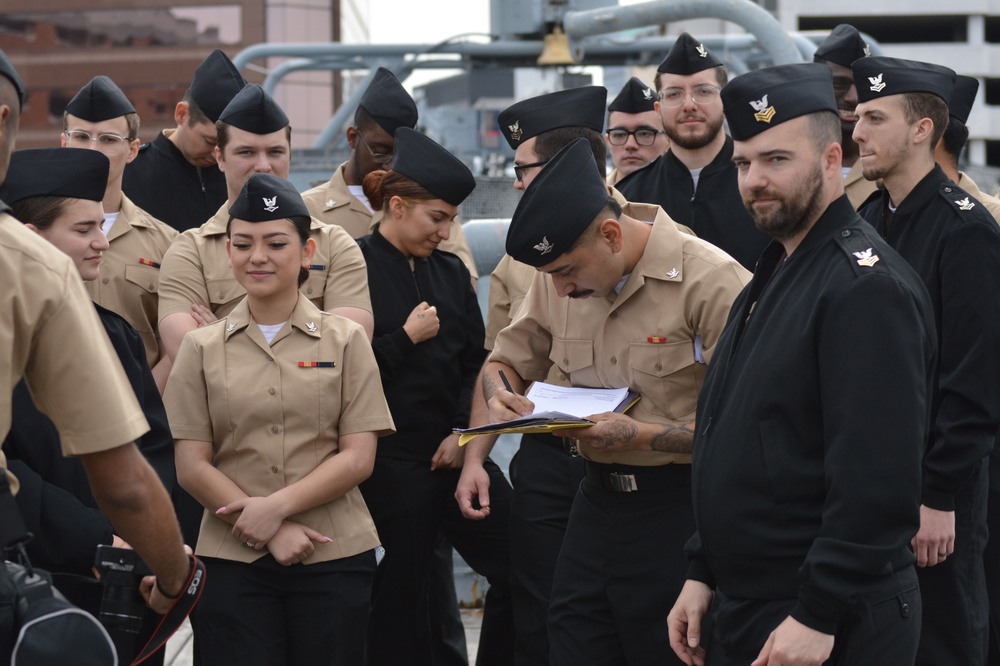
(616, 435)
(489, 387)
(674, 438)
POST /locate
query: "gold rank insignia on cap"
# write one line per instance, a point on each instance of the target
(515, 130)
(702, 51)
(545, 246)
(764, 112)
(866, 258)
(647, 93)
(965, 204)
(270, 205)
(876, 82)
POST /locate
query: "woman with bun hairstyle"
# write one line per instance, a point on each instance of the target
(428, 342)
(276, 409)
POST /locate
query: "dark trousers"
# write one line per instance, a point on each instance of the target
(267, 614)
(956, 608)
(991, 556)
(545, 479)
(448, 645)
(621, 568)
(410, 505)
(882, 630)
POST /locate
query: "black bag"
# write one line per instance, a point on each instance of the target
(38, 627)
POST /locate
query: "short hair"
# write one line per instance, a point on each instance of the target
(362, 119)
(222, 134)
(39, 211)
(195, 115)
(380, 186)
(824, 129)
(547, 144)
(611, 208)
(131, 123)
(920, 105)
(721, 77)
(955, 136)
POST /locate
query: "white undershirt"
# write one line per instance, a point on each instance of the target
(109, 221)
(695, 175)
(270, 331)
(358, 192)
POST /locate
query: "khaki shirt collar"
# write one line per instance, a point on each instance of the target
(129, 216)
(663, 257)
(306, 317)
(217, 223)
(336, 194)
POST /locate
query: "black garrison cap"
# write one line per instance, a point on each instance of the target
(687, 57)
(99, 100)
(758, 100)
(558, 206)
(56, 172)
(421, 159)
(388, 103)
(962, 98)
(879, 76)
(843, 46)
(635, 97)
(266, 197)
(215, 83)
(576, 107)
(7, 71)
(253, 110)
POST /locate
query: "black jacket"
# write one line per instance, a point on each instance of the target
(811, 423)
(953, 243)
(171, 189)
(428, 385)
(715, 212)
(55, 497)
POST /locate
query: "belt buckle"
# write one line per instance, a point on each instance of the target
(571, 447)
(623, 483)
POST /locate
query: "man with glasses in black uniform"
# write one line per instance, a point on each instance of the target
(635, 130)
(695, 181)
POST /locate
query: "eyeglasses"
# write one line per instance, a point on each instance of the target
(83, 139)
(841, 84)
(519, 168)
(703, 94)
(644, 136)
(379, 158)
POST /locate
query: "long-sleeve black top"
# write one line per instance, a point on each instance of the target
(714, 211)
(55, 497)
(428, 385)
(953, 243)
(811, 423)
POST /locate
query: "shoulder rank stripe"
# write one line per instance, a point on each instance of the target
(147, 262)
(317, 267)
(317, 364)
(656, 340)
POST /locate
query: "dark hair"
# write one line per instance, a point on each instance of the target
(39, 211)
(825, 128)
(610, 209)
(381, 186)
(362, 119)
(222, 134)
(954, 138)
(547, 144)
(197, 116)
(302, 226)
(917, 106)
(721, 77)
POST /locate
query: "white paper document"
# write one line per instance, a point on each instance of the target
(573, 400)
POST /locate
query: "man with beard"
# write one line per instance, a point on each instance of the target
(617, 300)
(807, 420)
(954, 245)
(843, 46)
(695, 181)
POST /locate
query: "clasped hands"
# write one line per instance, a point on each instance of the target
(262, 523)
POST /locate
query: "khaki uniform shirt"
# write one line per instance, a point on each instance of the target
(681, 289)
(990, 203)
(130, 272)
(50, 334)
(272, 421)
(614, 177)
(333, 203)
(196, 270)
(856, 187)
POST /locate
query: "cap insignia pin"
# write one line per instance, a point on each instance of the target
(647, 94)
(545, 246)
(764, 112)
(515, 130)
(876, 82)
(866, 258)
(672, 273)
(271, 205)
(702, 51)
(965, 204)
(311, 326)
(867, 51)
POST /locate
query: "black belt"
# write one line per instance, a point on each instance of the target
(632, 478)
(567, 446)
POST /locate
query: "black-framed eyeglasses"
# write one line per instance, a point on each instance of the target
(378, 158)
(83, 139)
(519, 168)
(702, 94)
(841, 84)
(644, 136)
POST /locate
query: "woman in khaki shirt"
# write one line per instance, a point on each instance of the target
(276, 410)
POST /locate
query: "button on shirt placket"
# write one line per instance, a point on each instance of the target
(271, 383)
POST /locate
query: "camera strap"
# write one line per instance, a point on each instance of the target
(174, 618)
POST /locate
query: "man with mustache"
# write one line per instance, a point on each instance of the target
(695, 181)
